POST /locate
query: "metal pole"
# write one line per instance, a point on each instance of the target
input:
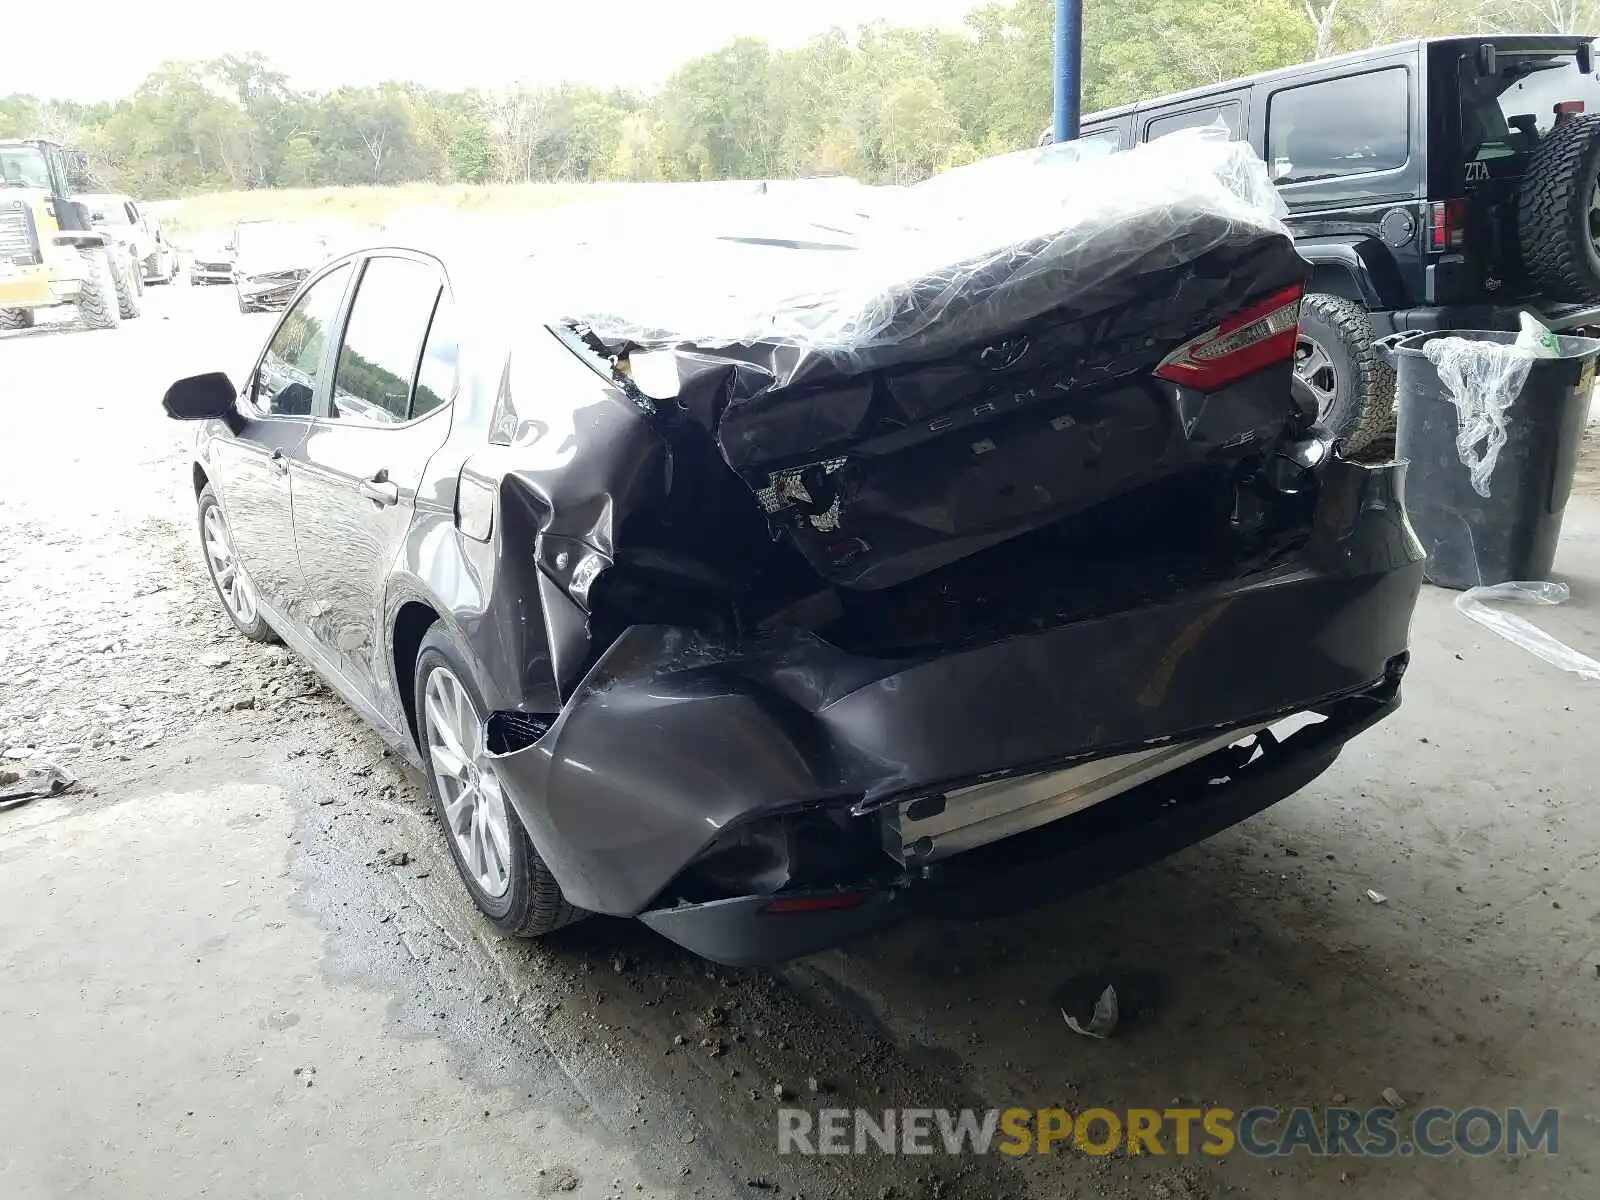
(1069, 68)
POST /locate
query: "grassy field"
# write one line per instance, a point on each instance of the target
(198, 217)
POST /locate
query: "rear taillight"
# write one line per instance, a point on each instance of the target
(1257, 337)
(1447, 225)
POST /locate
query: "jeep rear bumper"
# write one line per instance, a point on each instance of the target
(1562, 318)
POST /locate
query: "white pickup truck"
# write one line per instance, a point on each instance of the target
(139, 229)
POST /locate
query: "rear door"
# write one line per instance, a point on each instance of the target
(250, 467)
(355, 480)
(1485, 128)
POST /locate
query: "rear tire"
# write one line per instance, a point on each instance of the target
(531, 904)
(124, 278)
(16, 318)
(1354, 386)
(1558, 213)
(97, 298)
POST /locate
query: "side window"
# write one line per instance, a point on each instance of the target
(436, 377)
(1349, 126)
(286, 382)
(382, 341)
(1230, 113)
(1097, 142)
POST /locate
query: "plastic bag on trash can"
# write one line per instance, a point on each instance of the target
(1482, 379)
(1524, 633)
(1536, 339)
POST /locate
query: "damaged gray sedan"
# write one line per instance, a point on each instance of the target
(919, 555)
(270, 260)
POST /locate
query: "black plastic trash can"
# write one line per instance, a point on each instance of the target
(1511, 533)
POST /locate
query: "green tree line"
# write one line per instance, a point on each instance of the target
(880, 102)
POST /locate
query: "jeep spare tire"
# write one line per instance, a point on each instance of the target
(1353, 384)
(1558, 214)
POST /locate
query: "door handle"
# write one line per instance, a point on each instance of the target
(379, 490)
(279, 463)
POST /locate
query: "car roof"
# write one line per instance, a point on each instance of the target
(1510, 41)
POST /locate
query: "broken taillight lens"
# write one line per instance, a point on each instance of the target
(1259, 336)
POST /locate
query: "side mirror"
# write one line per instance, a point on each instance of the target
(1586, 58)
(294, 401)
(1486, 59)
(207, 397)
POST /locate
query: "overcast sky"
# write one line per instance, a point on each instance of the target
(463, 43)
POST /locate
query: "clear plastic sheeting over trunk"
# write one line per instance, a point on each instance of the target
(908, 376)
(868, 277)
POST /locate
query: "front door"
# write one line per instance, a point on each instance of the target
(250, 468)
(355, 481)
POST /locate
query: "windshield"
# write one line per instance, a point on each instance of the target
(1512, 111)
(107, 213)
(23, 166)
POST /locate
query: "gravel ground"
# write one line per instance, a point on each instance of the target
(1254, 969)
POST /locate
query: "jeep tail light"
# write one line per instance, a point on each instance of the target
(1256, 337)
(1447, 225)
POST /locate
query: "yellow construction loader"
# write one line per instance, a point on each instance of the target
(50, 253)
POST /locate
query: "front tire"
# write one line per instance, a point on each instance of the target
(97, 298)
(503, 873)
(124, 281)
(234, 589)
(1353, 385)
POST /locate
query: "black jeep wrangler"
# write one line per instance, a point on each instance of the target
(1439, 184)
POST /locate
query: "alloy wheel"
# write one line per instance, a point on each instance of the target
(1316, 370)
(1594, 217)
(474, 801)
(233, 585)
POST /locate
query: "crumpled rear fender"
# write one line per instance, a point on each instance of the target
(673, 737)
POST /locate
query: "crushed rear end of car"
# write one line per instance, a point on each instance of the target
(973, 588)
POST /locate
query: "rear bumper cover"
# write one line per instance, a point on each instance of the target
(673, 738)
(1059, 860)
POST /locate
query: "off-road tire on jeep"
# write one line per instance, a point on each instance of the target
(533, 904)
(1360, 409)
(127, 289)
(1558, 215)
(16, 318)
(97, 298)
